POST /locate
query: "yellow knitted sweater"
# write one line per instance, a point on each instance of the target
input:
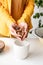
(21, 14)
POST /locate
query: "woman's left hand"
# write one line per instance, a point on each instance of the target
(24, 27)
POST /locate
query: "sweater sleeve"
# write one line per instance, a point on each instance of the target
(5, 16)
(27, 12)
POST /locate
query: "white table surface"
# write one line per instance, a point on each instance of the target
(35, 54)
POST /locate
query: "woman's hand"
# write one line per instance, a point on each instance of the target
(24, 27)
(13, 30)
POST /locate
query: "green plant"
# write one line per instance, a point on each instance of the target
(37, 15)
(39, 3)
(40, 25)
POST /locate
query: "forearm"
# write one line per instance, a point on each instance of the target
(27, 12)
(29, 9)
(5, 16)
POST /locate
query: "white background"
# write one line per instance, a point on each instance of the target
(35, 21)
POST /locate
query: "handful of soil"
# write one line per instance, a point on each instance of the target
(2, 46)
(18, 29)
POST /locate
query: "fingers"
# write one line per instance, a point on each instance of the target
(25, 33)
(13, 32)
(21, 33)
(16, 36)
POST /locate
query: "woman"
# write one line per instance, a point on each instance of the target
(15, 13)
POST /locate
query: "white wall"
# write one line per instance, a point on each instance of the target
(35, 22)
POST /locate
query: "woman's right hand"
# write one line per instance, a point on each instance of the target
(13, 31)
